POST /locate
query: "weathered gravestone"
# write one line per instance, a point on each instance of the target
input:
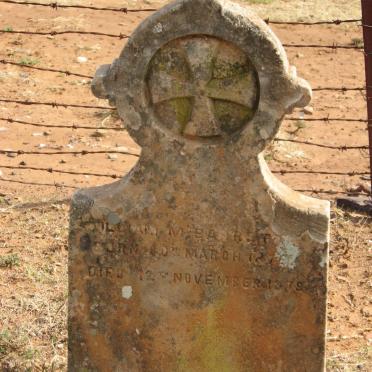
(199, 259)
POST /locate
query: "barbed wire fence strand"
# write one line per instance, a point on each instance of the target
(55, 5)
(122, 36)
(118, 129)
(71, 73)
(115, 176)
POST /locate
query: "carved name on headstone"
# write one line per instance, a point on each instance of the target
(199, 259)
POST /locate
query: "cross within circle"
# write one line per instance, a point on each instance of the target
(202, 87)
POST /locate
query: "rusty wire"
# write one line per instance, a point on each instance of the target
(52, 170)
(122, 36)
(115, 176)
(71, 32)
(77, 127)
(72, 126)
(82, 152)
(341, 148)
(332, 192)
(55, 104)
(284, 172)
(70, 73)
(86, 152)
(333, 46)
(55, 5)
(312, 191)
(336, 22)
(37, 183)
(69, 105)
(24, 65)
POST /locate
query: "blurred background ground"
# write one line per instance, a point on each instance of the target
(34, 219)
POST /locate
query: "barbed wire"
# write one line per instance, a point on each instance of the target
(87, 152)
(343, 89)
(115, 176)
(330, 119)
(70, 32)
(70, 105)
(78, 127)
(57, 185)
(341, 148)
(333, 192)
(73, 126)
(52, 170)
(70, 73)
(284, 172)
(25, 65)
(55, 5)
(82, 152)
(336, 22)
(312, 191)
(333, 46)
(55, 104)
(122, 36)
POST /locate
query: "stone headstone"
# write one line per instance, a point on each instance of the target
(199, 259)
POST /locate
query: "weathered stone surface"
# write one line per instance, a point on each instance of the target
(199, 259)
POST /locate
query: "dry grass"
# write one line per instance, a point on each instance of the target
(33, 280)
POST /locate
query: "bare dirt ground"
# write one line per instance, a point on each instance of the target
(34, 219)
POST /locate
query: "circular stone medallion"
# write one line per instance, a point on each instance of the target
(202, 87)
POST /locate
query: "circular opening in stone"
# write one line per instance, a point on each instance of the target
(202, 88)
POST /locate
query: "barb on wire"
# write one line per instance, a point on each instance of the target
(56, 33)
(55, 104)
(52, 170)
(23, 65)
(56, 5)
(57, 185)
(83, 152)
(341, 148)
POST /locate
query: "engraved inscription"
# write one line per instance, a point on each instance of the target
(212, 279)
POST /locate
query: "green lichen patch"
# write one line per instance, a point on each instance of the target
(183, 110)
(231, 116)
(223, 70)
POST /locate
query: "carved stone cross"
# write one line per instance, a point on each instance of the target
(199, 259)
(205, 85)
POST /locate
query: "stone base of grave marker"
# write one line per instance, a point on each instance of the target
(199, 259)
